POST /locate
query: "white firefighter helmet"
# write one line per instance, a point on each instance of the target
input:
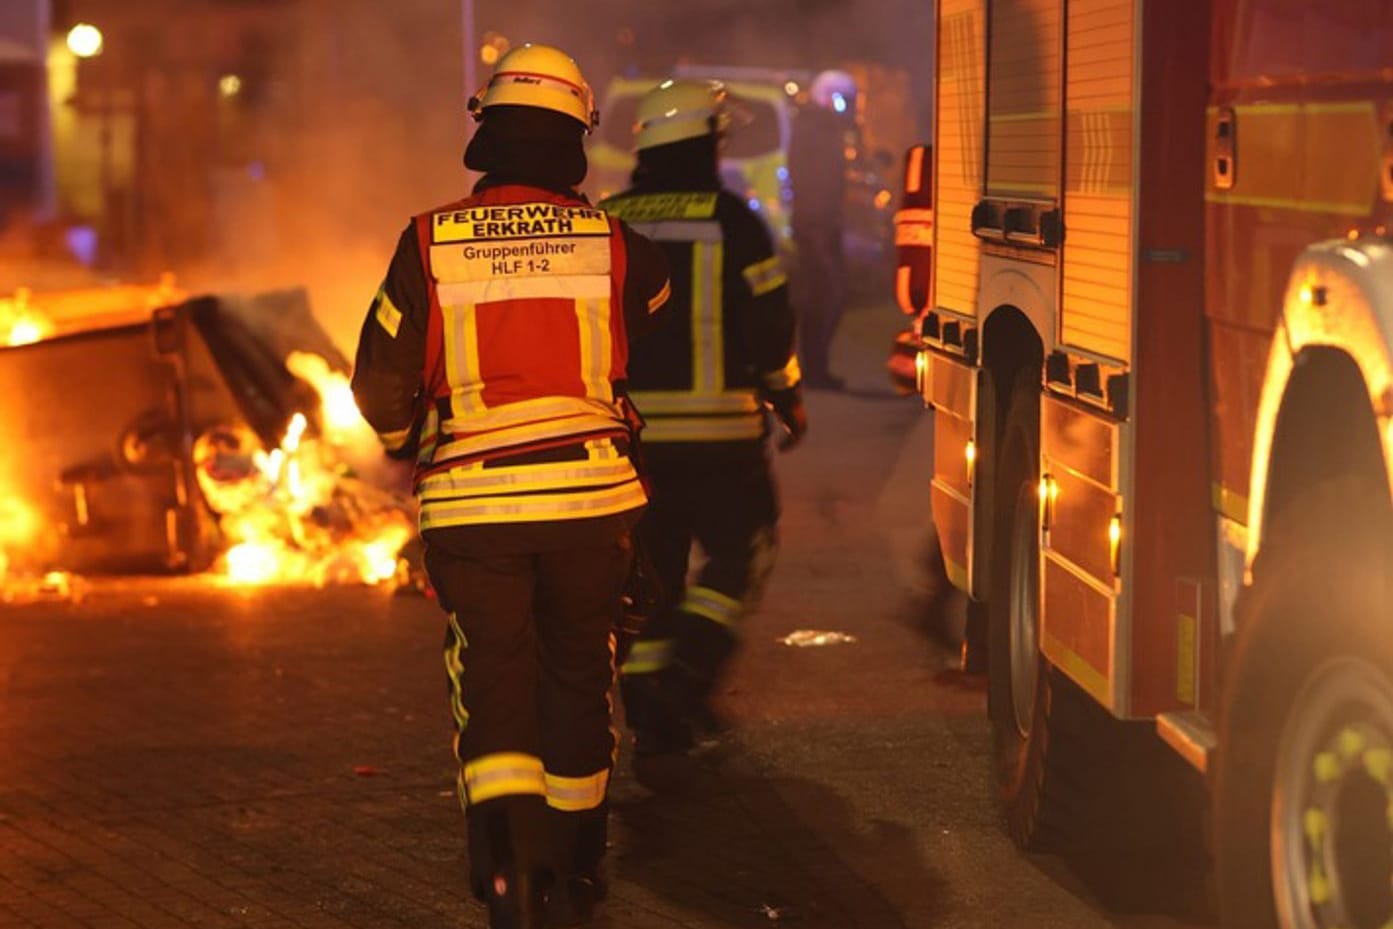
(539, 76)
(834, 90)
(680, 109)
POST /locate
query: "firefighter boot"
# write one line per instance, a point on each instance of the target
(653, 706)
(703, 653)
(509, 867)
(578, 846)
(516, 901)
(662, 736)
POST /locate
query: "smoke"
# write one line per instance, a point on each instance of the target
(352, 120)
(371, 122)
(887, 44)
(348, 116)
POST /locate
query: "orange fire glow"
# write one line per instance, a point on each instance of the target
(21, 535)
(27, 317)
(18, 528)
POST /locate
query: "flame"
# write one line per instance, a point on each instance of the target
(292, 513)
(27, 318)
(18, 521)
(381, 557)
(20, 539)
(252, 563)
(19, 527)
(26, 332)
(21, 323)
(342, 421)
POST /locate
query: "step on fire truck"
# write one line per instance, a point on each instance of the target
(1149, 260)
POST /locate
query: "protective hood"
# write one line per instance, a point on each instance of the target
(687, 165)
(528, 145)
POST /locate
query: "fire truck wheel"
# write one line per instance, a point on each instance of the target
(1303, 777)
(1040, 720)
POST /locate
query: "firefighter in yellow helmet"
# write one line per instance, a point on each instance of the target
(708, 381)
(490, 355)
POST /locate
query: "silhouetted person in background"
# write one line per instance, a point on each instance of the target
(817, 170)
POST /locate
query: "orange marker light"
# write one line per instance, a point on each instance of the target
(1115, 543)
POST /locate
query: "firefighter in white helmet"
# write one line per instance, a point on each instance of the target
(705, 381)
(490, 355)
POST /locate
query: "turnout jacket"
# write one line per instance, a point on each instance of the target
(491, 352)
(728, 339)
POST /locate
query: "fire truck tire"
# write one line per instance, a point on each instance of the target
(1043, 725)
(1302, 780)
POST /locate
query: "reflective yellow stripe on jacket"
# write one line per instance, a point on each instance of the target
(523, 508)
(708, 412)
(475, 492)
(765, 276)
(697, 416)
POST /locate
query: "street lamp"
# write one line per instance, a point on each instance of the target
(85, 40)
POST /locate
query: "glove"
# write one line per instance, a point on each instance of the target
(793, 416)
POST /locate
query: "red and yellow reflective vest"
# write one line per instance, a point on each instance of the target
(524, 341)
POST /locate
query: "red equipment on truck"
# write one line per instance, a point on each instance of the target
(1158, 341)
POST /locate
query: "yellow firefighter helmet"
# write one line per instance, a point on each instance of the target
(677, 110)
(539, 76)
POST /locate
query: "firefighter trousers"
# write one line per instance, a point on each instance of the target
(720, 496)
(529, 661)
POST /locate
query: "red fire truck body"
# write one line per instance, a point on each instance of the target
(1156, 327)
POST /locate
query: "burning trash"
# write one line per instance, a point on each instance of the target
(220, 433)
(295, 513)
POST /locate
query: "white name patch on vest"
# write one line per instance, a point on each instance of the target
(527, 240)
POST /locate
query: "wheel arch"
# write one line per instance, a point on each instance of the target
(1014, 290)
(1012, 347)
(1327, 395)
(1012, 341)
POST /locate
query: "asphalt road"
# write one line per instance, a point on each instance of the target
(173, 754)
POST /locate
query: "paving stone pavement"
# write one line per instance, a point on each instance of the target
(173, 755)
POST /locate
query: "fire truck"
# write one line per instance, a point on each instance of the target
(1149, 260)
